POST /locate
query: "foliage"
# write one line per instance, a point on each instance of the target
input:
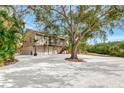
(82, 47)
(10, 33)
(111, 48)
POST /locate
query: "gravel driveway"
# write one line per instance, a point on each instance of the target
(49, 71)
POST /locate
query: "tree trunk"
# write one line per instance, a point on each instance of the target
(74, 52)
(73, 57)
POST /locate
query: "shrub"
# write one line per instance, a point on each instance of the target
(1, 61)
(111, 48)
(10, 26)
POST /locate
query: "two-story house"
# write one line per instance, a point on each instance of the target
(42, 42)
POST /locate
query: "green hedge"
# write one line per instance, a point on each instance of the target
(111, 48)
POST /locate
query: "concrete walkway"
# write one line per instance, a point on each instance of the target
(52, 71)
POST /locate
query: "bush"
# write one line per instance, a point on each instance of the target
(1, 61)
(8, 35)
(111, 48)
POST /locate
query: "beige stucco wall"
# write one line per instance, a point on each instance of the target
(41, 50)
(26, 50)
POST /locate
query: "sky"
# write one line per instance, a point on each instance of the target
(118, 35)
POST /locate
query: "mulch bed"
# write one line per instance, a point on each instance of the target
(74, 60)
(9, 62)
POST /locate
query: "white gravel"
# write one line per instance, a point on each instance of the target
(53, 71)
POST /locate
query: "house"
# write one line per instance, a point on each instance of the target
(44, 43)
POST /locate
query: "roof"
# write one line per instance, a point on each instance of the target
(44, 33)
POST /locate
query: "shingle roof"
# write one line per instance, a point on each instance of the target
(44, 33)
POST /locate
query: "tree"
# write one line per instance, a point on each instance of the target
(78, 22)
(10, 33)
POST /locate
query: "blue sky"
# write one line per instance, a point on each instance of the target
(117, 36)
